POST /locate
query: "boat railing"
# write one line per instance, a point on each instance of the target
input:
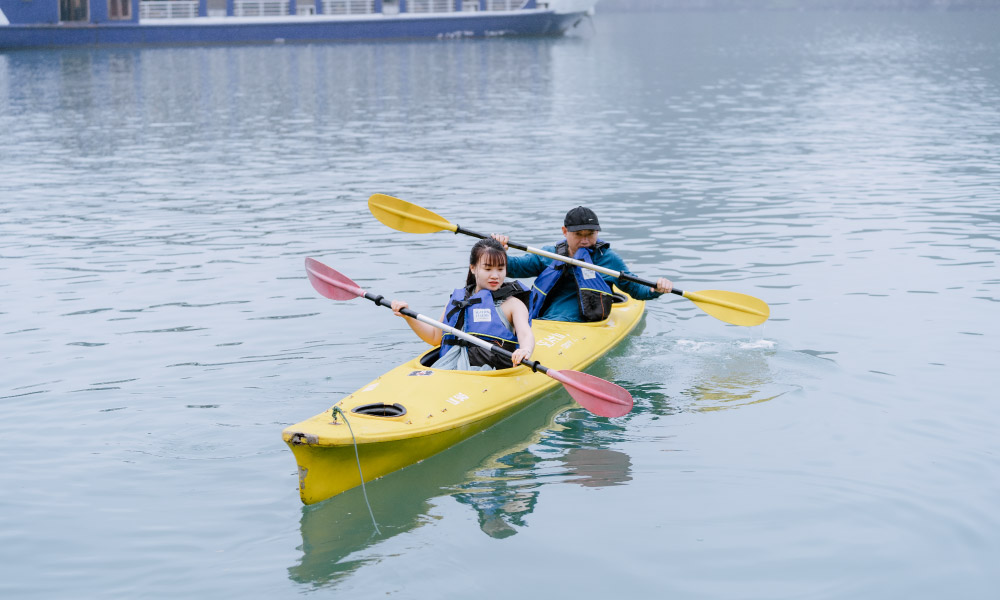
(348, 7)
(260, 8)
(168, 9)
(431, 6)
(181, 9)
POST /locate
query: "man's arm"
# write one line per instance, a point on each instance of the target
(529, 265)
(610, 260)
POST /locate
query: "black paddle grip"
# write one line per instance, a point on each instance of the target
(378, 300)
(622, 275)
(534, 364)
(381, 301)
(459, 229)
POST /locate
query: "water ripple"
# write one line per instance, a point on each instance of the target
(841, 167)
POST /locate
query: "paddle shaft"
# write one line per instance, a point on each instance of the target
(600, 397)
(737, 309)
(621, 275)
(534, 364)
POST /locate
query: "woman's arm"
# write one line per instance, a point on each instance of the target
(428, 333)
(517, 313)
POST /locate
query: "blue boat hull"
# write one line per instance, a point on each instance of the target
(266, 31)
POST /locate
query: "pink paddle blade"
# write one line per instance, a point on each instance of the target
(330, 283)
(600, 397)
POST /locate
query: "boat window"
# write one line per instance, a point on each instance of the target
(74, 10)
(119, 9)
(217, 8)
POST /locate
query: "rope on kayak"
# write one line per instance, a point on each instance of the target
(336, 409)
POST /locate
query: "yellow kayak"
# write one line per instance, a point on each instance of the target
(414, 411)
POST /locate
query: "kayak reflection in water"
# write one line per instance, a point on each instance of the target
(487, 307)
(504, 495)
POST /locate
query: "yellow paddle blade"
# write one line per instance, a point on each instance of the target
(404, 216)
(731, 307)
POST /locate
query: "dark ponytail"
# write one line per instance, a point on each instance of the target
(495, 256)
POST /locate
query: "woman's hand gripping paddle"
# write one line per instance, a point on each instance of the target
(731, 307)
(600, 397)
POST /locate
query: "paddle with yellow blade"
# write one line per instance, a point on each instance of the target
(603, 398)
(731, 307)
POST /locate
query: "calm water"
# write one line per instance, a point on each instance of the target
(157, 331)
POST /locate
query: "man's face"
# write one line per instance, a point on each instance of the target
(585, 238)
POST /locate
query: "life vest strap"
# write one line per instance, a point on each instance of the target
(458, 305)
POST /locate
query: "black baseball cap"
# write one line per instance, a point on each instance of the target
(581, 218)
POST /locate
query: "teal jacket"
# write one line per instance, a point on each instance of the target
(564, 304)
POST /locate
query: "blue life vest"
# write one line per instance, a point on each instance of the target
(594, 293)
(478, 315)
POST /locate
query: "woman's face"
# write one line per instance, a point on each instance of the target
(488, 276)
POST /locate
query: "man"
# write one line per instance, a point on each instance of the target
(563, 292)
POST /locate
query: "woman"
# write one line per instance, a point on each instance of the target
(487, 308)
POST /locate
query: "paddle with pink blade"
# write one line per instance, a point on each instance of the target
(597, 395)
